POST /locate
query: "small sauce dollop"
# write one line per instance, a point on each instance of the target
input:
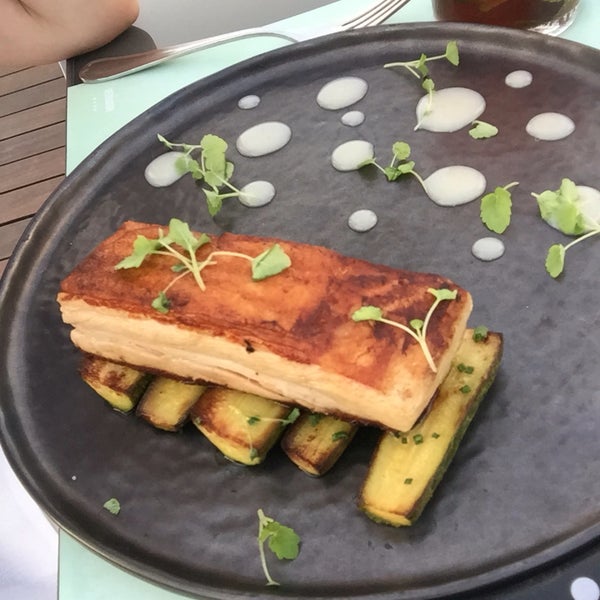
(451, 109)
(518, 79)
(349, 155)
(550, 126)
(257, 193)
(488, 249)
(342, 92)
(162, 171)
(353, 118)
(264, 138)
(362, 220)
(248, 102)
(455, 185)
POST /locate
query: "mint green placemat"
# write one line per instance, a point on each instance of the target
(100, 109)
(94, 113)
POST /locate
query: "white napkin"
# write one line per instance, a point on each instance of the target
(29, 547)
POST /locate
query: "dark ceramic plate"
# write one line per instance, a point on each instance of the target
(524, 486)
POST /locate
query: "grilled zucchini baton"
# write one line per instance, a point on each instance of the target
(406, 468)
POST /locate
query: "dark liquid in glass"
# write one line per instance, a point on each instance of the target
(525, 14)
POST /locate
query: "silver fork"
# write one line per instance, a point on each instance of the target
(103, 69)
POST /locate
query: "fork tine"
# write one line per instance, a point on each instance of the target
(375, 15)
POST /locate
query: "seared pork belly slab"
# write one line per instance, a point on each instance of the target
(290, 337)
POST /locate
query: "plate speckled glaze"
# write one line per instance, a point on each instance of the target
(523, 488)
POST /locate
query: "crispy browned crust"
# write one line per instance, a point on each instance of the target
(302, 314)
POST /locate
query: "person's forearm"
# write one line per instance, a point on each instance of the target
(42, 31)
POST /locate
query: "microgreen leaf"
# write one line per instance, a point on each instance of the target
(161, 303)
(482, 130)
(214, 201)
(401, 150)
(272, 261)
(452, 55)
(282, 540)
(113, 506)
(142, 247)
(555, 260)
(496, 208)
(367, 313)
(180, 233)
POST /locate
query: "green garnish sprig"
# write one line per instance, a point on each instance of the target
(283, 541)
(211, 166)
(416, 328)
(561, 209)
(496, 208)
(400, 164)
(420, 70)
(182, 244)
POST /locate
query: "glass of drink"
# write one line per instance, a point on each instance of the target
(545, 16)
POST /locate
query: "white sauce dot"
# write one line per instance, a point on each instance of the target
(550, 126)
(584, 588)
(451, 109)
(353, 118)
(349, 155)
(248, 102)
(455, 185)
(362, 220)
(518, 79)
(263, 138)
(488, 249)
(342, 92)
(257, 193)
(162, 171)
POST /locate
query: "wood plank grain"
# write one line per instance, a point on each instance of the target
(30, 170)
(28, 78)
(33, 118)
(9, 236)
(8, 71)
(33, 96)
(32, 142)
(25, 201)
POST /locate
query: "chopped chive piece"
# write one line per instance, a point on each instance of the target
(465, 389)
(465, 368)
(253, 420)
(315, 418)
(480, 333)
(418, 438)
(253, 453)
(435, 435)
(339, 435)
(404, 440)
(408, 480)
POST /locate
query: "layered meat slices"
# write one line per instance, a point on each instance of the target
(290, 337)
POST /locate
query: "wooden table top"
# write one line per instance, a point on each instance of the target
(32, 146)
